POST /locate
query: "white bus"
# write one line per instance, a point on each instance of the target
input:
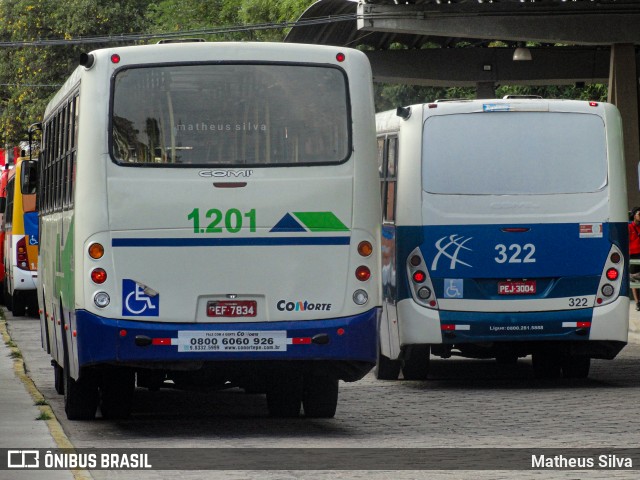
(504, 234)
(210, 216)
(20, 246)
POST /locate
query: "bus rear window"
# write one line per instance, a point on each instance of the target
(229, 114)
(514, 153)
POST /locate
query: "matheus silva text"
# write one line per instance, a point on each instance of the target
(560, 461)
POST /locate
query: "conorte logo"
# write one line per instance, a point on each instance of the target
(451, 250)
(23, 459)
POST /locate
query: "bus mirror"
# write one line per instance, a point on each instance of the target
(403, 112)
(29, 177)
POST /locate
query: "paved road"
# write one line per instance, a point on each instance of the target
(466, 403)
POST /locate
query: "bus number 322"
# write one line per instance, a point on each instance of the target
(515, 253)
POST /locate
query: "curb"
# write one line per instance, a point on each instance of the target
(20, 370)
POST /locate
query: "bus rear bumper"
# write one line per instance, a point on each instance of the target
(347, 345)
(24, 279)
(599, 332)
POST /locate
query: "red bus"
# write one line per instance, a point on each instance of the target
(7, 161)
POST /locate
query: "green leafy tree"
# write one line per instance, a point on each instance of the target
(167, 16)
(31, 75)
(269, 11)
(594, 91)
(180, 15)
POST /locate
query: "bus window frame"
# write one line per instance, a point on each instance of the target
(348, 105)
(7, 220)
(389, 179)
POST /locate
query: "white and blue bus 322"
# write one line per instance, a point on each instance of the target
(210, 217)
(504, 234)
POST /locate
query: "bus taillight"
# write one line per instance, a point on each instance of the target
(611, 278)
(96, 251)
(607, 290)
(415, 260)
(363, 273)
(424, 293)
(421, 285)
(360, 297)
(365, 248)
(419, 276)
(22, 259)
(101, 299)
(98, 275)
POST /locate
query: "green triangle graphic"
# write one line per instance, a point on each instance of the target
(321, 221)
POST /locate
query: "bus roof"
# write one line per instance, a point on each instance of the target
(209, 51)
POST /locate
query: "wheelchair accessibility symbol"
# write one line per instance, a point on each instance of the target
(453, 288)
(136, 303)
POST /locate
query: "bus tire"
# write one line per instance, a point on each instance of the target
(546, 365)
(80, 396)
(117, 386)
(576, 366)
(19, 304)
(32, 305)
(284, 396)
(2, 296)
(320, 396)
(7, 296)
(58, 378)
(152, 380)
(506, 358)
(387, 369)
(416, 362)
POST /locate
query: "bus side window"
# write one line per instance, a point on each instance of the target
(8, 215)
(389, 206)
(382, 166)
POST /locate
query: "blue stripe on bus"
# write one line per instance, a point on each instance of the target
(228, 242)
(515, 326)
(352, 338)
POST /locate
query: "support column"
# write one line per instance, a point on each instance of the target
(623, 92)
(485, 90)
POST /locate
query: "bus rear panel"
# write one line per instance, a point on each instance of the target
(225, 226)
(519, 245)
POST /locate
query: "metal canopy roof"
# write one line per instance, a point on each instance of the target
(380, 23)
(344, 31)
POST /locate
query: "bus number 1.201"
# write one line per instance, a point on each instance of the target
(231, 220)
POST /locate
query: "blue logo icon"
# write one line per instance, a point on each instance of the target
(138, 303)
(450, 247)
(453, 288)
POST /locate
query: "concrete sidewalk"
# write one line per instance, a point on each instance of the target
(23, 424)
